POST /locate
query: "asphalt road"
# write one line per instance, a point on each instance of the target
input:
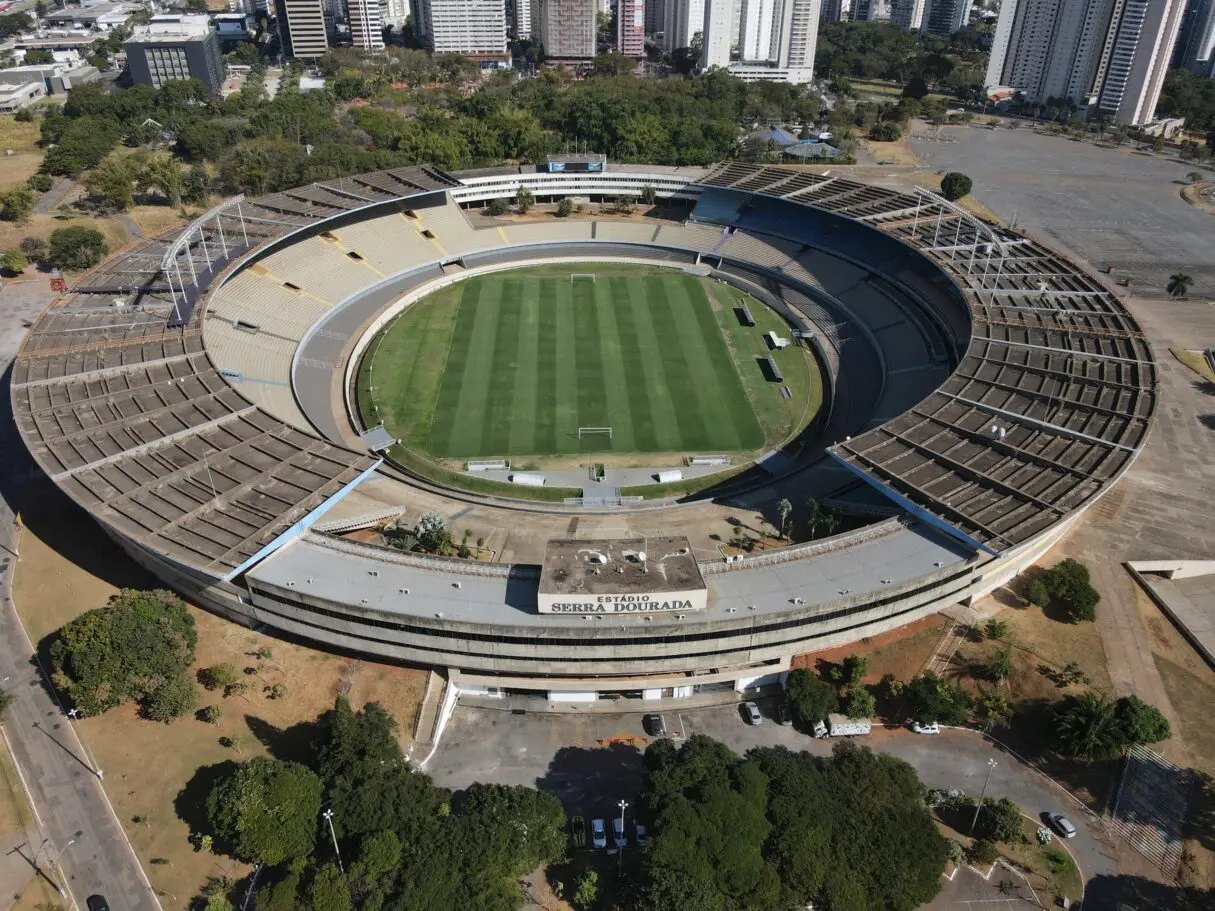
(563, 754)
(73, 813)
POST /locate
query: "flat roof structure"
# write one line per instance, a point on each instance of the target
(623, 575)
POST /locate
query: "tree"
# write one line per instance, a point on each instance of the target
(1141, 723)
(1000, 821)
(433, 534)
(13, 262)
(931, 698)
(955, 185)
(1000, 666)
(983, 852)
(1037, 593)
(648, 195)
(586, 896)
(810, 699)
(76, 248)
(280, 895)
(127, 650)
(328, 890)
(34, 248)
(40, 183)
(211, 714)
(885, 132)
(17, 204)
(860, 703)
(173, 698)
(1179, 284)
(565, 208)
(993, 707)
(524, 200)
(1069, 587)
(995, 629)
(1086, 727)
(497, 206)
(266, 810)
(916, 88)
(218, 676)
(355, 743)
(783, 508)
(113, 181)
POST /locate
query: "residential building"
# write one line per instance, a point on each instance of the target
(472, 28)
(301, 28)
(831, 11)
(655, 11)
(366, 26)
(790, 44)
(566, 28)
(1104, 55)
(630, 28)
(175, 46)
(759, 38)
(519, 17)
(944, 17)
(394, 12)
(718, 33)
(684, 20)
(1195, 50)
(909, 14)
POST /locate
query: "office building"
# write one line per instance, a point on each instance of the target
(944, 17)
(566, 28)
(1195, 49)
(172, 47)
(684, 19)
(654, 13)
(366, 26)
(472, 28)
(630, 28)
(301, 28)
(1103, 55)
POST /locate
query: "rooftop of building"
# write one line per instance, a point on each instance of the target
(622, 566)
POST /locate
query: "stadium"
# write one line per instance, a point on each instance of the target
(210, 398)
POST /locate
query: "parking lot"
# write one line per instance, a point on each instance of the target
(592, 761)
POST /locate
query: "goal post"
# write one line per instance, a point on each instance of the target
(594, 431)
(574, 276)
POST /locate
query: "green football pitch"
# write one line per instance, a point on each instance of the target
(512, 364)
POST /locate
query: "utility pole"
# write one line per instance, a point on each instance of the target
(328, 814)
(991, 765)
(53, 862)
(620, 851)
(74, 714)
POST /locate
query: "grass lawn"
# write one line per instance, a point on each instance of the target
(512, 364)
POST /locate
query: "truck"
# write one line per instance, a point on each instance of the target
(838, 725)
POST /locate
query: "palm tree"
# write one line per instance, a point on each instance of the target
(1179, 284)
(784, 507)
(1087, 728)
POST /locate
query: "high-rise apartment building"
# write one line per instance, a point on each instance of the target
(630, 28)
(776, 39)
(655, 11)
(683, 20)
(1107, 55)
(566, 28)
(759, 40)
(366, 25)
(519, 17)
(831, 11)
(944, 17)
(472, 28)
(908, 14)
(718, 33)
(394, 12)
(301, 28)
(1195, 49)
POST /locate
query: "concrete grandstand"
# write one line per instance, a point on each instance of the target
(192, 394)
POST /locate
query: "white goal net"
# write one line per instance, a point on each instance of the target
(594, 431)
(590, 276)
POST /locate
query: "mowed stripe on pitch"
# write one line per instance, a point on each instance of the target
(470, 374)
(504, 370)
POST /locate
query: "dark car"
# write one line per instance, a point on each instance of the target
(97, 903)
(654, 724)
(784, 714)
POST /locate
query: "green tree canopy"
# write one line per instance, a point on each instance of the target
(128, 650)
(76, 248)
(810, 698)
(955, 185)
(266, 810)
(930, 698)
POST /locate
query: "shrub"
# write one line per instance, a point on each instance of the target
(860, 703)
(211, 714)
(34, 248)
(13, 261)
(983, 852)
(565, 208)
(217, 676)
(174, 698)
(810, 699)
(77, 248)
(41, 183)
(995, 629)
(885, 132)
(1036, 593)
(955, 185)
(497, 207)
(1140, 722)
(1000, 821)
(1069, 587)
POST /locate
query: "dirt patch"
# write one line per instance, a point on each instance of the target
(153, 220)
(157, 775)
(1195, 195)
(902, 652)
(41, 226)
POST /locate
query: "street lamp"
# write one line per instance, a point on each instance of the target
(74, 714)
(53, 862)
(624, 804)
(328, 814)
(991, 765)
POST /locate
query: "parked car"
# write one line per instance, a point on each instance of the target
(654, 725)
(639, 833)
(784, 714)
(1061, 824)
(598, 833)
(97, 903)
(618, 835)
(578, 832)
(931, 727)
(751, 713)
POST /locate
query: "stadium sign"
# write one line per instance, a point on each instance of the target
(653, 603)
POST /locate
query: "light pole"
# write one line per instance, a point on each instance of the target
(74, 714)
(624, 804)
(991, 765)
(53, 862)
(328, 814)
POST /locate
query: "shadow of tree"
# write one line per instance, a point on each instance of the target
(1109, 892)
(1200, 821)
(590, 782)
(190, 804)
(1204, 386)
(1207, 421)
(294, 744)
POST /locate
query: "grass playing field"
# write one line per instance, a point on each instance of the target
(512, 364)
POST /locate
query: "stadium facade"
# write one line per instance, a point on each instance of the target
(193, 394)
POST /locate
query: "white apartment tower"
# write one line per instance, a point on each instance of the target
(758, 40)
(473, 28)
(366, 26)
(301, 28)
(777, 39)
(718, 33)
(1109, 53)
(682, 21)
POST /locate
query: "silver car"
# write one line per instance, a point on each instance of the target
(1062, 825)
(751, 710)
